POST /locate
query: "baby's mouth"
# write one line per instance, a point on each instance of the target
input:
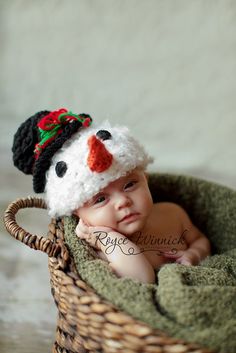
(129, 217)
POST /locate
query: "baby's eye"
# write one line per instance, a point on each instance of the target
(130, 184)
(99, 199)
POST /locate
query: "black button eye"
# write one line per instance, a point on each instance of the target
(103, 135)
(61, 168)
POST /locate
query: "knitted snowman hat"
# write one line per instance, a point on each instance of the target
(70, 160)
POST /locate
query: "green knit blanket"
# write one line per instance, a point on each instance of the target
(194, 303)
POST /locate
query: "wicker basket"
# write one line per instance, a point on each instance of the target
(86, 322)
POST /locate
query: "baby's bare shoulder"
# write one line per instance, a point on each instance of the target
(168, 207)
(171, 209)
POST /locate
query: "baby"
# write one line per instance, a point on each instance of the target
(133, 234)
(98, 173)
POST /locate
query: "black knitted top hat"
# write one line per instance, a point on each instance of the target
(40, 137)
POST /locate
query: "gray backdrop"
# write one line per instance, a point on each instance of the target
(166, 69)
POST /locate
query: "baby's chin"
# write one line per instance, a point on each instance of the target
(130, 229)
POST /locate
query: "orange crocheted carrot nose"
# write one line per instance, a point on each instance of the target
(99, 159)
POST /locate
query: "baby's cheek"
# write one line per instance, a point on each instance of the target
(85, 217)
(99, 218)
(148, 204)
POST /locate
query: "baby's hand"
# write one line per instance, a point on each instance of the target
(186, 257)
(88, 233)
(83, 232)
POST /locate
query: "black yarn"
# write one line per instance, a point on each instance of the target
(44, 161)
(60, 169)
(24, 143)
(104, 135)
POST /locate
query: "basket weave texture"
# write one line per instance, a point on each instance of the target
(86, 322)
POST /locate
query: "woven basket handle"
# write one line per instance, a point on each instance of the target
(33, 241)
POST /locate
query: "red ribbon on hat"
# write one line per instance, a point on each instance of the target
(51, 125)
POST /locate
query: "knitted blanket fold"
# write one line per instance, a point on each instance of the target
(194, 303)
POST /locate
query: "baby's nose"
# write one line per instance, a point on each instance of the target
(123, 201)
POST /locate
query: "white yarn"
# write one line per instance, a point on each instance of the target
(66, 194)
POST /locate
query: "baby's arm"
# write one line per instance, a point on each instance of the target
(198, 247)
(197, 242)
(123, 255)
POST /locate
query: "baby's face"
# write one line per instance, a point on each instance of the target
(124, 205)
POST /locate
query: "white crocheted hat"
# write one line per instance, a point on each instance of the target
(87, 163)
(70, 159)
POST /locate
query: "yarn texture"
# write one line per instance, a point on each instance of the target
(91, 165)
(70, 160)
(27, 139)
